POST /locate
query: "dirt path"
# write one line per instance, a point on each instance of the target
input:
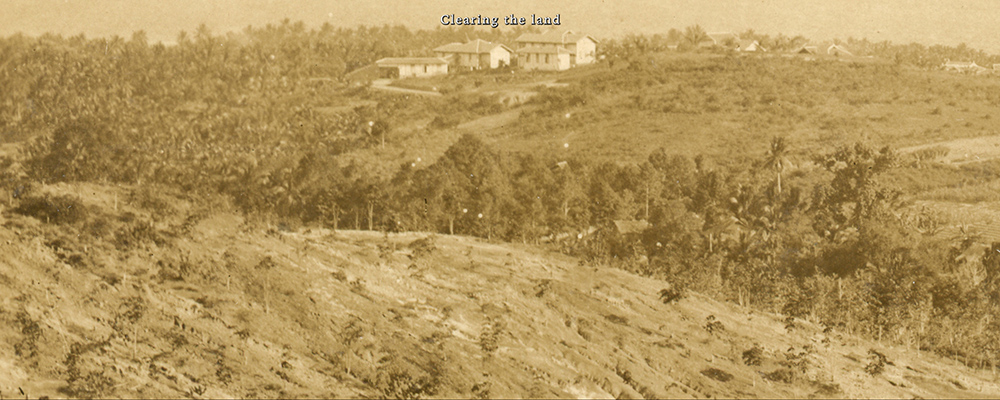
(383, 84)
(964, 150)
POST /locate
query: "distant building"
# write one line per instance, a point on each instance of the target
(544, 58)
(405, 67)
(476, 54)
(580, 47)
(750, 46)
(806, 49)
(838, 50)
(630, 227)
(824, 49)
(969, 67)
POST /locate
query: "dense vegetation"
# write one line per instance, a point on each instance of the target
(242, 117)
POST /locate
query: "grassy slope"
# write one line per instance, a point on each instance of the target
(261, 313)
(727, 115)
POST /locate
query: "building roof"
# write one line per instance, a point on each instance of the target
(807, 49)
(838, 48)
(558, 36)
(746, 44)
(626, 227)
(477, 46)
(544, 50)
(396, 61)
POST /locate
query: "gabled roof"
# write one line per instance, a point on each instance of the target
(745, 44)
(807, 49)
(558, 36)
(836, 48)
(823, 48)
(626, 227)
(544, 50)
(477, 46)
(396, 61)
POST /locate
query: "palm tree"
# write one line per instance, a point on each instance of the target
(776, 157)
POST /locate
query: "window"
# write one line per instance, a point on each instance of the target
(546, 58)
(425, 69)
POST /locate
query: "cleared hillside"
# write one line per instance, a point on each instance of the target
(203, 303)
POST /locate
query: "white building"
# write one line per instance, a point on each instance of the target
(405, 67)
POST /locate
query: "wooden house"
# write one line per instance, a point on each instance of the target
(476, 54)
(544, 58)
(581, 48)
(406, 67)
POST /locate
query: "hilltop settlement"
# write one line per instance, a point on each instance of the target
(561, 49)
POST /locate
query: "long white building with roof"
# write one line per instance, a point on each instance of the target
(476, 54)
(581, 48)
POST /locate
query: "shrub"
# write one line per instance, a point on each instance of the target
(754, 356)
(60, 210)
(489, 338)
(422, 247)
(790, 323)
(798, 361)
(135, 233)
(717, 374)
(395, 383)
(481, 390)
(876, 364)
(445, 121)
(781, 375)
(31, 332)
(671, 295)
(148, 198)
(81, 381)
(712, 325)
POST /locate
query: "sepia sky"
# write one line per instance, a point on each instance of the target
(973, 22)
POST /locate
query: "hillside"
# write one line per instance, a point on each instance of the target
(204, 303)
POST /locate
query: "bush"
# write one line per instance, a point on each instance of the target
(876, 364)
(671, 295)
(83, 379)
(489, 338)
(148, 198)
(422, 247)
(31, 332)
(60, 210)
(790, 323)
(445, 121)
(754, 356)
(396, 383)
(136, 233)
(781, 375)
(712, 325)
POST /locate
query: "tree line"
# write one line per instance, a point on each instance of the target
(691, 39)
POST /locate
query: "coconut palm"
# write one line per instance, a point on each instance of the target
(776, 157)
